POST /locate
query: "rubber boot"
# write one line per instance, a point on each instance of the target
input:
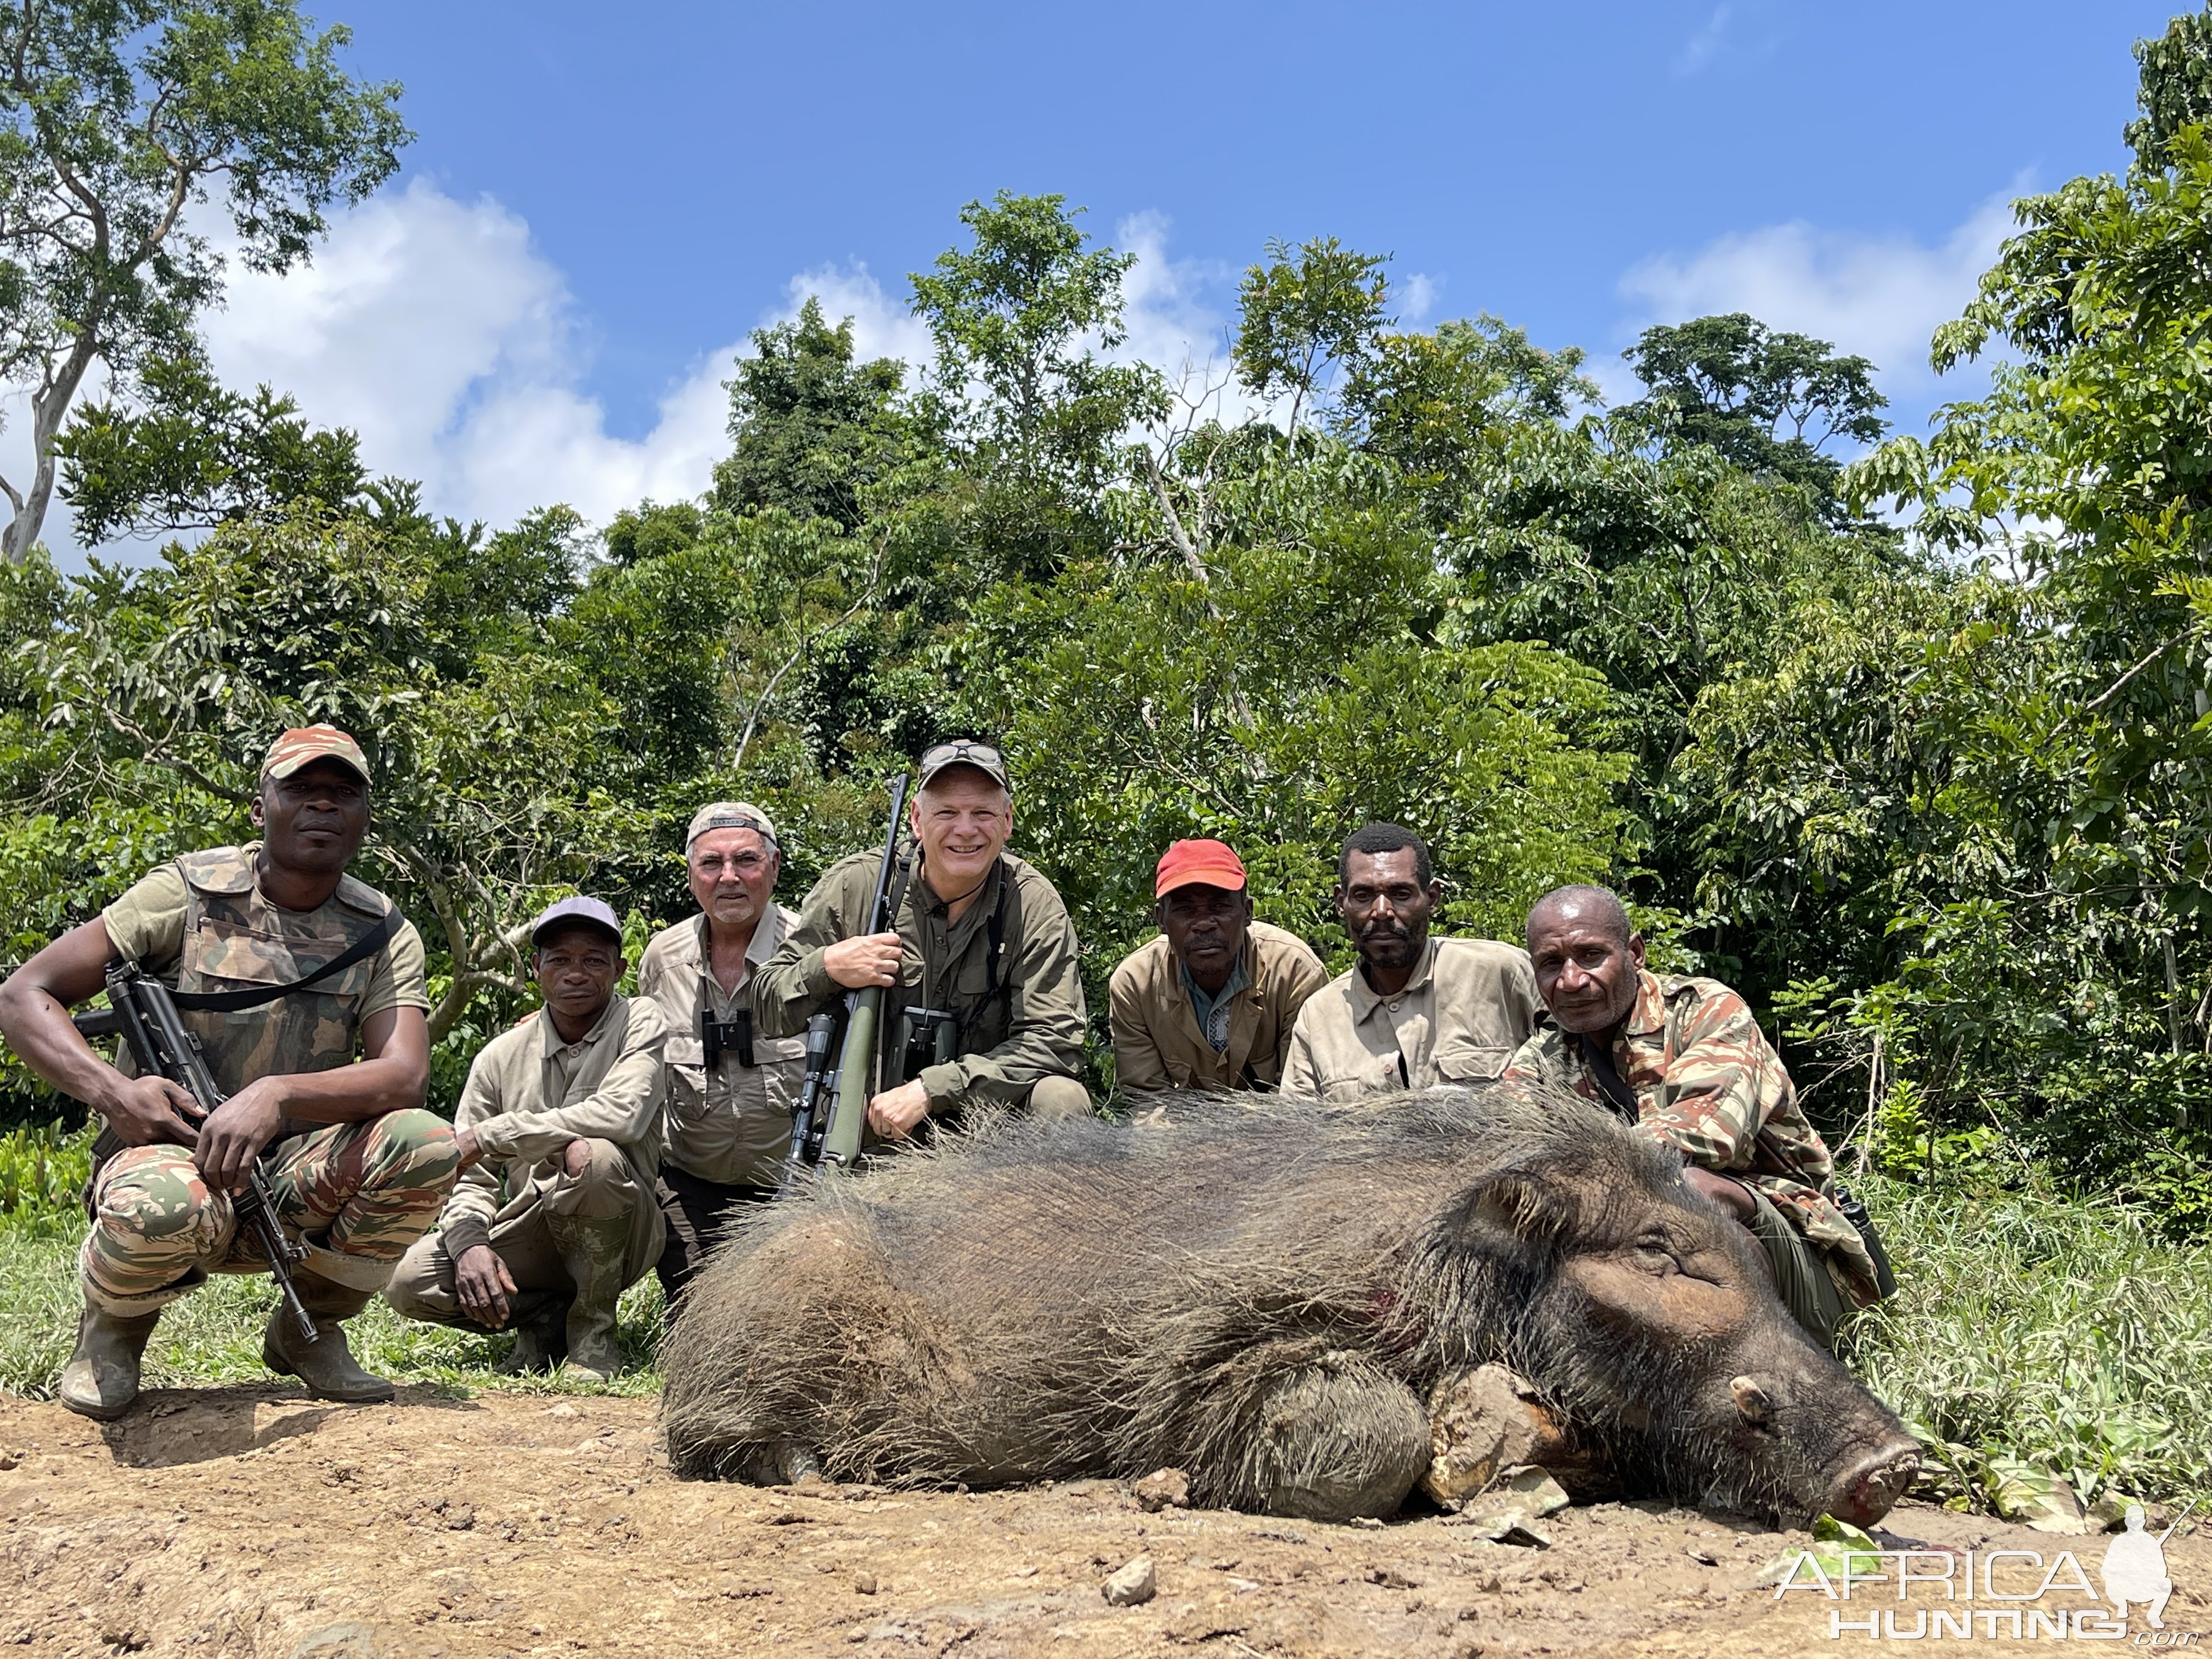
(326, 1365)
(101, 1379)
(539, 1320)
(594, 1253)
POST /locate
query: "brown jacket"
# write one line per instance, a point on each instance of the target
(1470, 1004)
(1156, 1041)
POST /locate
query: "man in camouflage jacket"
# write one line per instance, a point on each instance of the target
(357, 1168)
(1684, 1057)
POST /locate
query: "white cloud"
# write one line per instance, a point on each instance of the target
(433, 329)
(1420, 294)
(1879, 296)
(882, 326)
(1703, 46)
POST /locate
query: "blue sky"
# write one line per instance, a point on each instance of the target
(603, 202)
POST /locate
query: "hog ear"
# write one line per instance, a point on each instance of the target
(1516, 1204)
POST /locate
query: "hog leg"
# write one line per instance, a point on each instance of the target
(1334, 1437)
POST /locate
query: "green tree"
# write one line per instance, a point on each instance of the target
(1770, 401)
(1309, 309)
(811, 428)
(1019, 317)
(197, 455)
(2175, 89)
(117, 116)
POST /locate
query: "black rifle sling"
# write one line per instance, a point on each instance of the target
(225, 1002)
(1618, 1094)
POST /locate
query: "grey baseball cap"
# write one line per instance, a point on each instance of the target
(568, 912)
(965, 751)
(730, 815)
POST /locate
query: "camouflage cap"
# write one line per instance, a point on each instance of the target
(730, 815)
(302, 744)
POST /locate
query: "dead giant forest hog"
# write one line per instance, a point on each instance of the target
(1267, 1295)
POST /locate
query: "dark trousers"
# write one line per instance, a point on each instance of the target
(698, 1210)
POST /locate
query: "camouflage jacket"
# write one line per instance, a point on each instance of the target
(1709, 1083)
(202, 923)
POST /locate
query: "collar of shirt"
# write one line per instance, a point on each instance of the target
(768, 934)
(549, 1044)
(922, 898)
(1216, 1005)
(1648, 1017)
(1365, 998)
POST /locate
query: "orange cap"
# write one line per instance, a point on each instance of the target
(1189, 862)
(302, 744)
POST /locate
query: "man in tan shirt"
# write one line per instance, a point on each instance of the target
(1414, 1012)
(559, 1132)
(731, 1088)
(1210, 1003)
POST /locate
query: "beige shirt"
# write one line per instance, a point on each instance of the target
(734, 1126)
(1469, 1005)
(530, 1094)
(1156, 1041)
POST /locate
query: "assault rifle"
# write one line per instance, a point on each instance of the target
(140, 1011)
(833, 1136)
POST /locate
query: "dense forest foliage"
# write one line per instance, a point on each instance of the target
(1906, 736)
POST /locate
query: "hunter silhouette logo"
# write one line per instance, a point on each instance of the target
(2135, 1567)
(2017, 1593)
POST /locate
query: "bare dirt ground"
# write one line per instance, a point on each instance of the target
(255, 1521)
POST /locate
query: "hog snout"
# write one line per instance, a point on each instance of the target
(1751, 1402)
(1869, 1489)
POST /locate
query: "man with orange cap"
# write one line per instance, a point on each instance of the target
(1211, 1003)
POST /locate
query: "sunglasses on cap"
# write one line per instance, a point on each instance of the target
(961, 749)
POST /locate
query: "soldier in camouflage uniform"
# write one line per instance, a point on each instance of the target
(1684, 1057)
(357, 1168)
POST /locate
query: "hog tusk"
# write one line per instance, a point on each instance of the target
(1750, 1399)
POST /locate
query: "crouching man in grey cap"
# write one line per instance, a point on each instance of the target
(559, 1132)
(731, 1086)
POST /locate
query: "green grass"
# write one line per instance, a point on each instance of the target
(213, 1335)
(2027, 1325)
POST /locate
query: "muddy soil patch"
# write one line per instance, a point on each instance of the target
(254, 1521)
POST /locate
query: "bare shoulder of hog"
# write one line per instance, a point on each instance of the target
(1267, 1300)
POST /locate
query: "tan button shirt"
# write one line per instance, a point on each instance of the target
(1156, 1041)
(734, 1126)
(530, 1094)
(1469, 1005)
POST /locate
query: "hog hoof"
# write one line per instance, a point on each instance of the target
(1342, 1439)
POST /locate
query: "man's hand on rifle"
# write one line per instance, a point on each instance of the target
(151, 1111)
(483, 1283)
(857, 964)
(894, 1113)
(236, 1132)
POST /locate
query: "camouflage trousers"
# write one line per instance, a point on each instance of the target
(356, 1194)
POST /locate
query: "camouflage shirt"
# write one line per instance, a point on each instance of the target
(202, 924)
(1709, 1085)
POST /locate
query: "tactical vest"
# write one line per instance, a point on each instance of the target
(235, 939)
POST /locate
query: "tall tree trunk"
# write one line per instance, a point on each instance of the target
(49, 407)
